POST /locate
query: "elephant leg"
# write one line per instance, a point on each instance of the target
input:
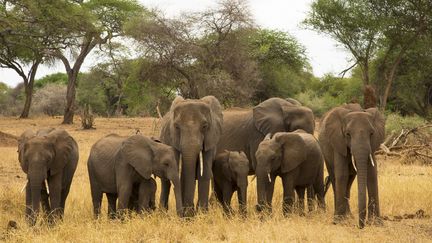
(319, 192)
(112, 207)
(300, 202)
(145, 191)
(288, 194)
(29, 209)
(45, 198)
(124, 191)
(203, 193)
(341, 181)
(372, 186)
(227, 195)
(152, 203)
(310, 198)
(270, 190)
(96, 194)
(348, 194)
(164, 196)
(218, 193)
(55, 187)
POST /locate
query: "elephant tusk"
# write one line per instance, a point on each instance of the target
(372, 160)
(47, 188)
(353, 163)
(201, 163)
(25, 185)
(269, 178)
(180, 164)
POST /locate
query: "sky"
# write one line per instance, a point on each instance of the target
(324, 55)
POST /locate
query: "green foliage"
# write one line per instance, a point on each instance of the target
(90, 92)
(281, 60)
(55, 78)
(329, 92)
(396, 122)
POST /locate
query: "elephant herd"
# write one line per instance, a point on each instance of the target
(219, 150)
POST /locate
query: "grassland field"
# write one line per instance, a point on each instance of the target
(404, 189)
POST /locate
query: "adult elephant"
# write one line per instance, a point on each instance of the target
(243, 130)
(49, 155)
(121, 167)
(349, 136)
(193, 127)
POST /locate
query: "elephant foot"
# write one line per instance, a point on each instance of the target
(189, 212)
(375, 221)
(340, 219)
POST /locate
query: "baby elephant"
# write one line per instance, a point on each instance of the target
(230, 172)
(122, 167)
(295, 157)
(49, 155)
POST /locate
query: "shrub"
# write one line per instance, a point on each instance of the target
(395, 122)
(50, 100)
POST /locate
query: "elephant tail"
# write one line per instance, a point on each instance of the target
(327, 182)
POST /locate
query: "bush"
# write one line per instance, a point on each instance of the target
(50, 100)
(319, 105)
(395, 122)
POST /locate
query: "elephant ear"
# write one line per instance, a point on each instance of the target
(137, 151)
(167, 134)
(64, 145)
(25, 136)
(378, 122)
(293, 151)
(293, 101)
(268, 115)
(211, 137)
(333, 127)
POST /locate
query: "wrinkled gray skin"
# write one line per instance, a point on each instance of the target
(350, 132)
(230, 172)
(243, 130)
(49, 155)
(122, 167)
(192, 127)
(296, 157)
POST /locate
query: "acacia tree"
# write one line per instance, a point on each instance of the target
(105, 20)
(200, 52)
(23, 40)
(365, 27)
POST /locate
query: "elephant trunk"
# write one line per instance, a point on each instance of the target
(35, 188)
(188, 177)
(178, 197)
(361, 160)
(262, 181)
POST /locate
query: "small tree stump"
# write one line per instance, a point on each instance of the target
(87, 118)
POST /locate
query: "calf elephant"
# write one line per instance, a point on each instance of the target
(295, 157)
(230, 172)
(118, 166)
(349, 136)
(49, 155)
(193, 128)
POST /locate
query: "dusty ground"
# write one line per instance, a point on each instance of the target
(404, 189)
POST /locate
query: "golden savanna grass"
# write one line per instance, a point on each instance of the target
(404, 189)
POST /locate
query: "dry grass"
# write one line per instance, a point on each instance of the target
(403, 189)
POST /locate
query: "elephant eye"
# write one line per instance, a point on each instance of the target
(176, 125)
(348, 134)
(205, 125)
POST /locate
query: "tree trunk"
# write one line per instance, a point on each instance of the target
(28, 99)
(28, 86)
(70, 98)
(389, 81)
